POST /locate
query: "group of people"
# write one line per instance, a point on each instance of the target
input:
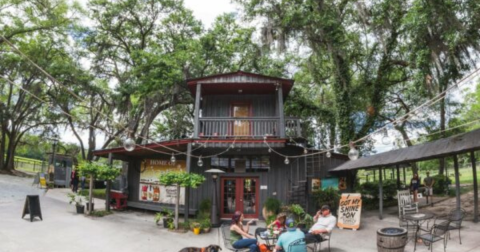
(428, 182)
(324, 224)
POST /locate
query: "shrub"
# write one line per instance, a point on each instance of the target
(370, 193)
(273, 205)
(204, 208)
(327, 196)
(441, 184)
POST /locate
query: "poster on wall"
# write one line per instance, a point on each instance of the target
(150, 188)
(349, 211)
(342, 183)
(329, 182)
(316, 184)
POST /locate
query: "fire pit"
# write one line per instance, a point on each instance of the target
(391, 239)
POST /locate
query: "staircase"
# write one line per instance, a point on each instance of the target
(300, 174)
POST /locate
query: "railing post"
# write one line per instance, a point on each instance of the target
(196, 123)
(281, 124)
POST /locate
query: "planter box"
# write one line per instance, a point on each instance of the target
(80, 209)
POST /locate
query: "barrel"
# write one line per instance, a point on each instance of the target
(391, 239)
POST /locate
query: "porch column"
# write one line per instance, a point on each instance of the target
(186, 207)
(475, 187)
(457, 180)
(380, 194)
(109, 184)
(398, 176)
(281, 126)
(196, 123)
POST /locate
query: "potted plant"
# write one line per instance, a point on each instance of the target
(196, 228)
(206, 225)
(78, 202)
(87, 199)
(271, 207)
(166, 215)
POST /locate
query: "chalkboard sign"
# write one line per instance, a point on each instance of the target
(349, 211)
(32, 207)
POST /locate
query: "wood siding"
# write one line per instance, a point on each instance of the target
(220, 105)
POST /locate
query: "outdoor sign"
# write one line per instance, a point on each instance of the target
(349, 211)
(150, 188)
(329, 182)
(32, 207)
(316, 184)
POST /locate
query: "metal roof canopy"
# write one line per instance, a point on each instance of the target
(458, 144)
(450, 146)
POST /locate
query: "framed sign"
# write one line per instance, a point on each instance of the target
(329, 182)
(349, 211)
(150, 188)
(316, 184)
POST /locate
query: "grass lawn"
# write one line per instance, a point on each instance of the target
(97, 193)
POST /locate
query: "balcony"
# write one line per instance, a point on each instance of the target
(251, 127)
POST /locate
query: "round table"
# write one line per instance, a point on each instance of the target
(418, 219)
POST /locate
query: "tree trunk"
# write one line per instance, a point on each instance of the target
(405, 137)
(177, 204)
(90, 194)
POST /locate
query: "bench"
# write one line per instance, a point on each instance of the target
(227, 241)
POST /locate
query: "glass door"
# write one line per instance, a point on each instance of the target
(239, 194)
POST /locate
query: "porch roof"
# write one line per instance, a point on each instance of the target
(449, 146)
(239, 82)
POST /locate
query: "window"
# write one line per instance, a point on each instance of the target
(241, 164)
(221, 163)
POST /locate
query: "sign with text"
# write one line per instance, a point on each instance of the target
(349, 211)
(150, 188)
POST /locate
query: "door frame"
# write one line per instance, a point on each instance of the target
(239, 195)
(250, 115)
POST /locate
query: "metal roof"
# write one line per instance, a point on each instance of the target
(458, 144)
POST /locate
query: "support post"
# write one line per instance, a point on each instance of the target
(380, 194)
(475, 187)
(109, 184)
(398, 176)
(186, 207)
(404, 176)
(196, 123)
(214, 218)
(457, 180)
(281, 126)
(374, 175)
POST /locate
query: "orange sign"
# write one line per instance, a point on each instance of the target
(349, 211)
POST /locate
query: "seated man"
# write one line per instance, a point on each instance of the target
(290, 236)
(324, 224)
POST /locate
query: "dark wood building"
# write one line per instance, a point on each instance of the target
(239, 128)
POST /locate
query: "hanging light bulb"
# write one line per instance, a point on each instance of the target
(129, 144)
(305, 151)
(328, 154)
(287, 161)
(172, 159)
(232, 146)
(200, 162)
(386, 140)
(193, 144)
(353, 153)
(269, 150)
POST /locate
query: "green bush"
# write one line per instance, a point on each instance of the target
(441, 183)
(273, 205)
(205, 208)
(327, 196)
(370, 193)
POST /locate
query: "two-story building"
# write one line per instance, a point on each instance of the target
(239, 128)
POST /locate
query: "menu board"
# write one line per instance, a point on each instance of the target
(150, 188)
(349, 211)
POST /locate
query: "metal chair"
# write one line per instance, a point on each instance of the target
(436, 233)
(454, 221)
(298, 245)
(318, 244)
(227, 240)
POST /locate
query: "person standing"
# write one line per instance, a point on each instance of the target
(428, 182)
(74, 180)
(414, 184)
(239, 234)
(290, 236)
(324, 224)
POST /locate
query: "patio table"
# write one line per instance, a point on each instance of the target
(417, 219)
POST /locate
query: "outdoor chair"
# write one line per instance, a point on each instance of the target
(405, 206)
(299, 245)
(435, 234)
(258, 233)
(318, 245)
(454, 221)
(227, 240)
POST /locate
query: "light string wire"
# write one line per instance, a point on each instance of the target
(202, 144)
(58, 84)
(402, 118)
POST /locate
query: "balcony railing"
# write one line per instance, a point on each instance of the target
(255, 127)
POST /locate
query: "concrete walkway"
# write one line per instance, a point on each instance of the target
(63, 230)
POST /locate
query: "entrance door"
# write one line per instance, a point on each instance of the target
(239, 194)
(241, 127)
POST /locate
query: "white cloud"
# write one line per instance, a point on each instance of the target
(208, 10)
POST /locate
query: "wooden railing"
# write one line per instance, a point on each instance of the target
(256, 127)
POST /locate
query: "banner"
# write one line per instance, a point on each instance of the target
(349, 211)
(150, 188)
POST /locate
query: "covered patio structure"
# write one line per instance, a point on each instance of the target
(466, 143)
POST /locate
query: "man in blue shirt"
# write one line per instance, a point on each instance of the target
(292, 234)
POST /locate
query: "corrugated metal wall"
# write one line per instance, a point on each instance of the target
(219, 105)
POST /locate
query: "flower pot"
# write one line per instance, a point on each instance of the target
(196, 231)
(166, 221)
(206, 230)
(80, 209)
(93, 206)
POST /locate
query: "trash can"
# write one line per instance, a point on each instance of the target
(391, 239)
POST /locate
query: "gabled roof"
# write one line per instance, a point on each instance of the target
(436, 149)
(248, 83)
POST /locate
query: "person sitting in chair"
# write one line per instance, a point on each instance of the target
(292, 234)
(324, 224)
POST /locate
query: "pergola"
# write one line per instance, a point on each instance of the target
(446, 147)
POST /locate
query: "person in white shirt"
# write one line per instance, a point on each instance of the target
(324, 224)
